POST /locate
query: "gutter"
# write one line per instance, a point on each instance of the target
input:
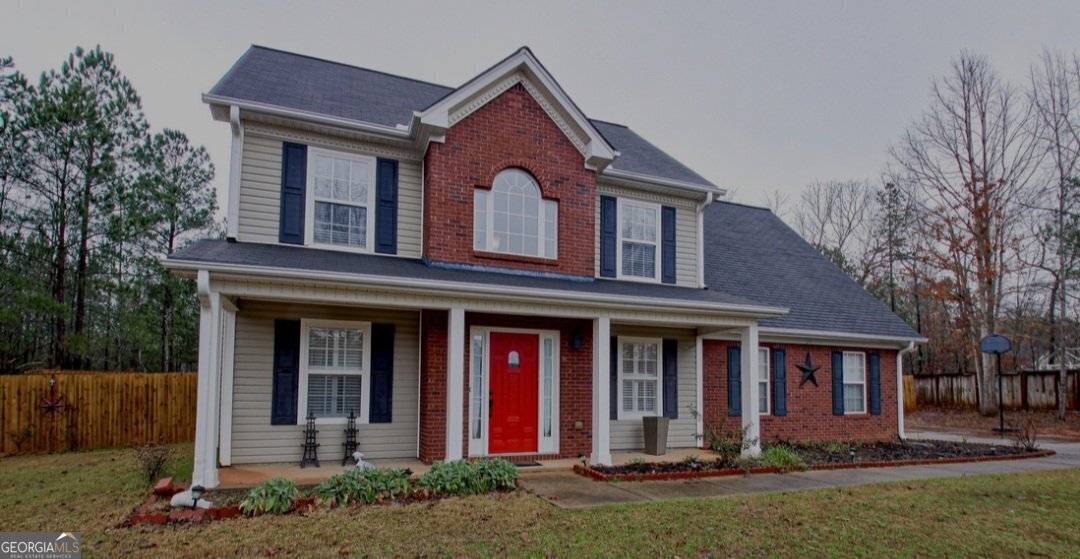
(633, 177)
(277, 110)
(709, 198)
(483, 291)
(900, 388)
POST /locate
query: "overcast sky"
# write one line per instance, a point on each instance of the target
(755, 96)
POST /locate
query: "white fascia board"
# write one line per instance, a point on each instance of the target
(823, 337)
(479, 291)
(598, 150)
(318, 118)
(640, 179)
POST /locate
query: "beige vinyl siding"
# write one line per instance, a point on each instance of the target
(255, 440)
(260, 184)
(686, 224)
(628, 434)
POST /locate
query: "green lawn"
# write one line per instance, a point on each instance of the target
(1002, 515)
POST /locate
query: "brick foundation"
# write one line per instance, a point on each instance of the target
(810, 415)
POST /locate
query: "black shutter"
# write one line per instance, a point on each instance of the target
(286, 377)
(734, 381)
(875, 384)
(382, 373)
(386, 197)
(671, 378)
(667, 244)
(608, 233)
(838, 383)
(779, 382)
(613, 389)
(293, 180)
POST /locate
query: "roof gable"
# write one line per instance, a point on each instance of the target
(522, 67)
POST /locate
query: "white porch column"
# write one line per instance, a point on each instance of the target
(751, 420)
(455, 383)
(228, 345)
(206, 419)
(601, 391)
(699, 403)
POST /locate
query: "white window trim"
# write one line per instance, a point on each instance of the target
(541, 216)
(622, 413)
(365, 375)
(309, 202)
(863, 383)
(545, 445)
(767, 410)
(620, 204)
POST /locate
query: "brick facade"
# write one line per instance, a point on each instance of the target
(810, 413)
(575, 381)
(512, 130)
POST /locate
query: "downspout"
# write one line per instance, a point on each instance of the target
(709, 198)
(900, 389)
(232, 213)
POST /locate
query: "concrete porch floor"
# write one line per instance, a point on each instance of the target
(250, 475)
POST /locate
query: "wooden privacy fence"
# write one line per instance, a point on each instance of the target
(86, 410)
(909, 393)
(1028, 390)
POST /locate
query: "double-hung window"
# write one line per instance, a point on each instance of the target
(854, 382)
(334, 379)
(341, 192)
(513, 218)
(639, 377)
(763, 381)
(638, 249)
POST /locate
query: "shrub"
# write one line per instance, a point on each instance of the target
(1026, 435)
(151, 459)
(364, 486)
(468, 478)
(782, 456)
(274, 496)
(693, 462)
(729, 444)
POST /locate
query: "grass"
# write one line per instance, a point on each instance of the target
(1000, 515)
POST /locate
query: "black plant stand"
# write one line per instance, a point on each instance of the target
(350, 438)
(311, 448)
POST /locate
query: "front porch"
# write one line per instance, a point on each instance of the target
(246, 476)
(429, 377)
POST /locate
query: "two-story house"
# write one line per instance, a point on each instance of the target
(485, 271)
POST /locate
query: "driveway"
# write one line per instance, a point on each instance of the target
(569, 490)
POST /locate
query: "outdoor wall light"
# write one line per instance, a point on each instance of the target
(575, 340)
(196, 494)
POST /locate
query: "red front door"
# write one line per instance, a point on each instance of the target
(512, 406)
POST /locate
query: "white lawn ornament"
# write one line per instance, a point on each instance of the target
(360, 463)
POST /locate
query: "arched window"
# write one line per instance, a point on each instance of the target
(513, 218)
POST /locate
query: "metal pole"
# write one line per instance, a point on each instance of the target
(1001, 396)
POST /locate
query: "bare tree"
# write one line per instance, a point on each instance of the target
(971, 157)
(835, 217)
(1055, 96)
(777, 201)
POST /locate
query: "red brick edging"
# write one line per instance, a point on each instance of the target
(600, 476)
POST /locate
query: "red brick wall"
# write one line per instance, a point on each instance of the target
(433, 385)
(575, 381)
(810, 415)
(510, 131)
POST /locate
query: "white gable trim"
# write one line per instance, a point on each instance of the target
(521, 67)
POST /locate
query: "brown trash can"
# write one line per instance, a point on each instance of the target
(655, 435)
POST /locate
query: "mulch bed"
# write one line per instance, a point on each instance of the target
(820, 457)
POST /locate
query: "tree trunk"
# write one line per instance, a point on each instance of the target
(84, 249)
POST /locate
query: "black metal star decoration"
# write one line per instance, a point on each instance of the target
(808, 369)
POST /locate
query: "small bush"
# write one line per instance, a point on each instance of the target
(782, 456)
(364, 486)
(469, 478)
(693, 462)
(152, 459)
(1026, 435)
(274, 496)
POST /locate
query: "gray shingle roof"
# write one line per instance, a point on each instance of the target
(295, 81)
(218, 251)
(751, 253)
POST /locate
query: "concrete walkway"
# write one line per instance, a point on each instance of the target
(570, 490)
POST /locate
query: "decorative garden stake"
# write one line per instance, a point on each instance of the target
(996, 344)
(808, 371)
(51, 406)
(350, 438)
(311, 448)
